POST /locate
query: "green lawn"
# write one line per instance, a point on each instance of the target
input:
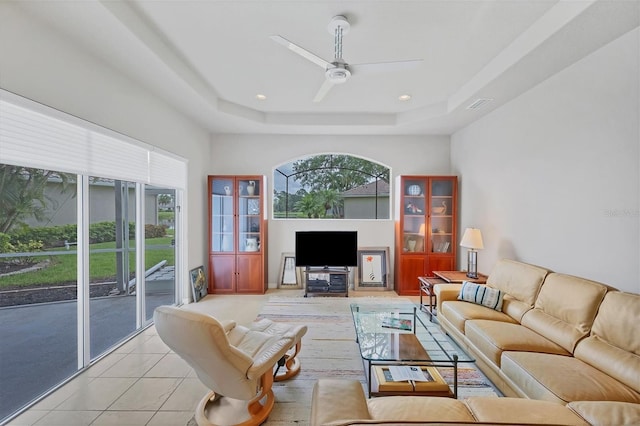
(102, 266)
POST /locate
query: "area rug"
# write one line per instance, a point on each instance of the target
(329, 349)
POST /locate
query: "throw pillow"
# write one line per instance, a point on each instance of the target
(482, 295)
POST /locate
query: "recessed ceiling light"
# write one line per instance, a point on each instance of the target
(261, 97)
(404, 97)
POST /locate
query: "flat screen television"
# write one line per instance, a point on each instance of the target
(326, 249)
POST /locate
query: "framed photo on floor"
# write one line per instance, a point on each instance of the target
(373, 269)
(290, 276)
(198, 279)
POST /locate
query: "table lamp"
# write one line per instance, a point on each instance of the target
(472, 239)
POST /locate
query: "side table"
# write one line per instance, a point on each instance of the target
(426, 289)
(460, 277)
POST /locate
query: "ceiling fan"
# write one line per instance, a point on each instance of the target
(339, 71)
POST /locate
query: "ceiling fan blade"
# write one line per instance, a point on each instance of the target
(385, 66)
(324, 89)
(300, 51)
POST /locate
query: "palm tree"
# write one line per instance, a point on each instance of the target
(310, 205)
(22, 194)
(331, 200)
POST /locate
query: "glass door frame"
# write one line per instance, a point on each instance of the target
(83, 299)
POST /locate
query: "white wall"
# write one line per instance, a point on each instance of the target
(38, 63)
(551, 178)
(260, 154)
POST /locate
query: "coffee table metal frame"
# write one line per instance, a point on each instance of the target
(386, 346)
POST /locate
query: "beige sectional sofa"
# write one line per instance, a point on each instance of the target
(339, 402)
(558, 337)
(562, 349)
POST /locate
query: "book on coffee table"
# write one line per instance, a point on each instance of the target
(431, 382)
(397, 323)
(399, 373)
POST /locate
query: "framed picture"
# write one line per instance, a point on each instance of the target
(373, 268)
(198, 283)
(290, 276)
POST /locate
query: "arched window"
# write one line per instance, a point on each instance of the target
(331, 186)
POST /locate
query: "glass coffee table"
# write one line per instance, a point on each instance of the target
(392, 334)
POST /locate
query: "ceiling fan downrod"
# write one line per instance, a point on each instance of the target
(338, 26)
(337, 49)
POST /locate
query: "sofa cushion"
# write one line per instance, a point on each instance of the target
(514, 307)
(457, 312)
(417, 408)
(565, 309)
(494, 337)
(521, 281)
(562, 379)
(521, 411)
(614, 345)
(334, 399)
(481, 295)
(607, 412)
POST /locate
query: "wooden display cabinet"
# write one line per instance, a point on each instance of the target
(426, 229)
(237, 234)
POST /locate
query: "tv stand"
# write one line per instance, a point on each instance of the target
(326, 281)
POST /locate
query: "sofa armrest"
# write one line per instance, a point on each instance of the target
(336, 401)
(446, 292)
(227, 325)
(607, 412)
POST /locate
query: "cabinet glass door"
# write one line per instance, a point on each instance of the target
(222, 230)
(414, 212)
(441, 205)
(249, 215)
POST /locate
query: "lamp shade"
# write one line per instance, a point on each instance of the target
(472, 239)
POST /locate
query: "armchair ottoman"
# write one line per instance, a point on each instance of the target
(289, 360)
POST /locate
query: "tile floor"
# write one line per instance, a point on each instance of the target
(142, 382)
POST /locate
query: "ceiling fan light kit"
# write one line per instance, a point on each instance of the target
(339, 71)
(338, 75)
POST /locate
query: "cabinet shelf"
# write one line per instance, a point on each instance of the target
(418, 250)
(237, 234)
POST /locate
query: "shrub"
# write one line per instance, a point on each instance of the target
(155, 231)
(49, 236)
(7, 246)
(55, 236)
(5, 243)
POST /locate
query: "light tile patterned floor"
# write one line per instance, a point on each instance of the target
(142, 382)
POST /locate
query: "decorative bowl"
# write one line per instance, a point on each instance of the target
(439, 210)
(414, 190)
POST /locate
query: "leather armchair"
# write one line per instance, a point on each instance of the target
(235, 362)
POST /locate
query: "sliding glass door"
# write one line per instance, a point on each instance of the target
(81, 230)
(160, 248)
(37, 283)
(55, 319)
(112, 291)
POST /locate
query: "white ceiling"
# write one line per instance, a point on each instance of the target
(210, 58)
